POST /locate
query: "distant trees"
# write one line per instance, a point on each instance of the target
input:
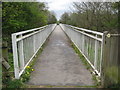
(18, 16)
(65, 18)
(51, 18)
(99, 16)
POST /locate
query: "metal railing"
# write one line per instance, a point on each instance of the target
(26, 44)
(89, 43)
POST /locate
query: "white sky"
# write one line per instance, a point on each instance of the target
(59, 6)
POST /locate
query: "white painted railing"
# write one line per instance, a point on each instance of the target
(26, 44)
(89, 43)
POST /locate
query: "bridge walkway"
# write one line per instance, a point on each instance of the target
(59, 65)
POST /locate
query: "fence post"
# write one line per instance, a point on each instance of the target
(15, 56)
(109, 71)
(103, 61)
(96, 53)
(21, 54)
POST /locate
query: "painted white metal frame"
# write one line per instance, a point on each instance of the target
(19, 37)
(86, 32)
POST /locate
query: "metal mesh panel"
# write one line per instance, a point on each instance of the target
(28, 48)
(87, 43)
(26, 44)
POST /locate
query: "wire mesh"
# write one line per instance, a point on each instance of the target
(27, 44)
(90, 47)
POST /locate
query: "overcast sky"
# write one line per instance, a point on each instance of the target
(59, 6)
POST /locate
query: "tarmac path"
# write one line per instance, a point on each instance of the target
(59, 65)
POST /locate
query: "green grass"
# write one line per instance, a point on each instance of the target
(52, 86)
(112, 73)
(10, 61)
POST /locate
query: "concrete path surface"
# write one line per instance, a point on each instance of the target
(59, 65)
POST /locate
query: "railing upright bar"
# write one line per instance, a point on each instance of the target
(15, 56)
(83, 43)
(34, 42)
(96, 53)
(21, 54)
(103, 41)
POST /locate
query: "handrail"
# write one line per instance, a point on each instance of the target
(23, 37)
(86, 30)
(25, 46)
(89, 35)
(23, 32)
(91, 46)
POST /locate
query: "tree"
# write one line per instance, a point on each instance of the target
(65, 18)
(18, 16)
(99, 16)
(51, 18)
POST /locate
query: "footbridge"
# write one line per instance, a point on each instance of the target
(58, 64)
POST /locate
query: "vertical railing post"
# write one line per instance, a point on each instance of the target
(21, 54)
(15, 56)
(83, 43)
(34, 43)
(101, 57)
(96, 53)
(87, 53)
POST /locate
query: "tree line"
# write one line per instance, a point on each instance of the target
(98, 16)
(19, 16)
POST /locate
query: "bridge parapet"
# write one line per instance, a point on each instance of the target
(99, 49)
(89, 44)
(26, 44)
